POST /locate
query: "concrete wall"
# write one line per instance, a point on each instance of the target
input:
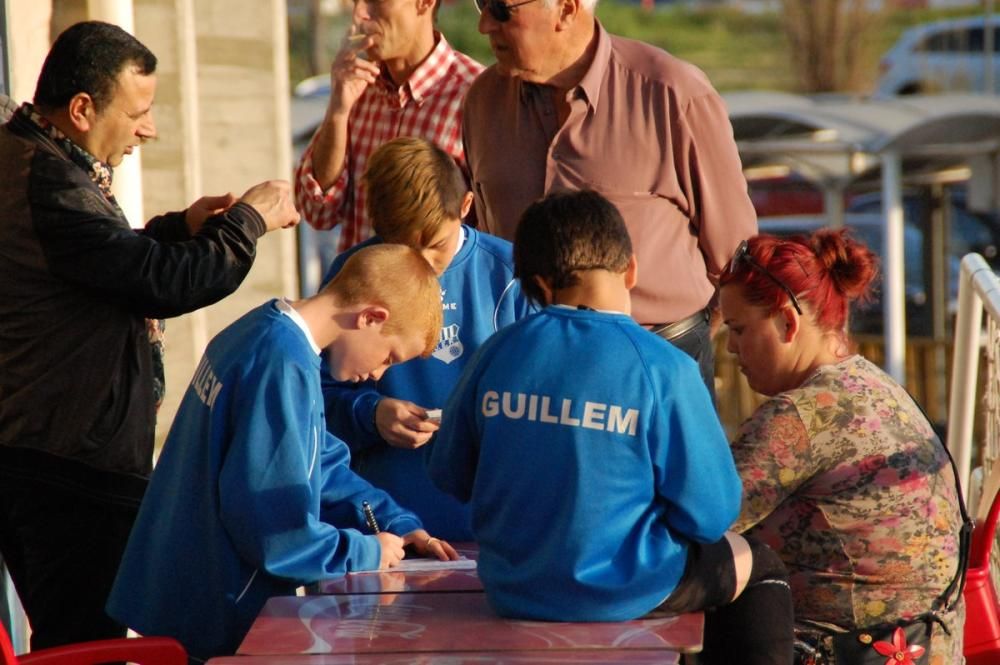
(222, 111)
(28, 30)
(222, 114)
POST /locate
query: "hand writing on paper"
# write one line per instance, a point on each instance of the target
(392, 549)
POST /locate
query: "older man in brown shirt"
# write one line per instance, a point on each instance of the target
(569, 106)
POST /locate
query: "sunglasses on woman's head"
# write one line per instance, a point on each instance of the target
(498, 9)
(743, 255)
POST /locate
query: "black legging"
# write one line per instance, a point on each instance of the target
(756, 627)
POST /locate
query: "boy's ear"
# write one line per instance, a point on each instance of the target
(467, 204)
(546, 289)
(372, 315)
(631, 273)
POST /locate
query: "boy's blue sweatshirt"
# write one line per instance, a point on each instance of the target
(251, 497)
(592, 455)
(479, 296)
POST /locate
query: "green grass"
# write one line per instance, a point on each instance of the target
(737, 51)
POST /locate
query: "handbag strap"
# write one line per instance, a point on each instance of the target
(964, 541)
(945, 600)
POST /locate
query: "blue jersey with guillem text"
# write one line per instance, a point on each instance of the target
(592, 455)
(479, 296)
(251, 498)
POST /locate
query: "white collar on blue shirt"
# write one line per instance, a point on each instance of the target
(284, 306)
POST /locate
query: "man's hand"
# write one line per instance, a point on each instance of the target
(403, 424)
(392, 550)
(350, 74)
(205, 207)
(273, 200)
(428, 546)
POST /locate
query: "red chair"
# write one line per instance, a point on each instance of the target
(142, 650)
(982, 609)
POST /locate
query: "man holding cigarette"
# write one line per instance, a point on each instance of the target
(394, 75)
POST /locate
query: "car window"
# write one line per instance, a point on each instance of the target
(959, 40)
(913, 250)
(912, 206)
(971, 233)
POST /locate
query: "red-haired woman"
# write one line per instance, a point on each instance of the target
(842, 474)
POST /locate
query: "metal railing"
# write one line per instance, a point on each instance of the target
(977, 347)
(978, 292)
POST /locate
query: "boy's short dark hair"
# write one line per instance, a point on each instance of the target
(567, 232)
(88, 57)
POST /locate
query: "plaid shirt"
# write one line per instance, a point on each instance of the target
(428, 105)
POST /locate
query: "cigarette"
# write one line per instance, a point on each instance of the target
(357, 38)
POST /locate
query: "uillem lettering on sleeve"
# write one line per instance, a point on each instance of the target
(205, 384)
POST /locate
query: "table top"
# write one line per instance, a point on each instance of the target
(409, 581)
(414, 581)
(410, 623)
(547, 657)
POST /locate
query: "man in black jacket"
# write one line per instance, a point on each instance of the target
(77, 286)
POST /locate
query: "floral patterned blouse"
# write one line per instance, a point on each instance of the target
(845, 479)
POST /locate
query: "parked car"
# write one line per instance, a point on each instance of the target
(785, 195)
(968, 232)
(939, 57)
(866, 318)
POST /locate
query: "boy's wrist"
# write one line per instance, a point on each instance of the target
(373, 421)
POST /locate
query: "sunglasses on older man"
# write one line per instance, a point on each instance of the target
(742, 255)
(499, 9)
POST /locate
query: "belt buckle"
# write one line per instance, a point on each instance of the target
(670, 331)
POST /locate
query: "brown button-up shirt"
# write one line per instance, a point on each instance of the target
(647, 131)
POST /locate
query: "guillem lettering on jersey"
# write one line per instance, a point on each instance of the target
(567, 412)
(205, 384)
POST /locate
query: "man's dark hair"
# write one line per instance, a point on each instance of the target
(88, 57)
(567, 232)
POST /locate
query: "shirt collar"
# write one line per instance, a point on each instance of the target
(591, 82)
(99, 172)
(285, 307)
(426, 76)
(589, 86)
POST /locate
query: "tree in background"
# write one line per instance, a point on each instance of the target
(828, 41)
(318, 60)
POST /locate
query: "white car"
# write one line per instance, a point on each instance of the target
(944, 56)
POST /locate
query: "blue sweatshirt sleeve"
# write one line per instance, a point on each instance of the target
(350, 409)
(694, 470)
(269, 505)
(344, 491)
(455, 454)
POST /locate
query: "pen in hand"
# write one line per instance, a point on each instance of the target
(370, 517)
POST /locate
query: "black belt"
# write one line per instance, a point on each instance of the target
(674, 330)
